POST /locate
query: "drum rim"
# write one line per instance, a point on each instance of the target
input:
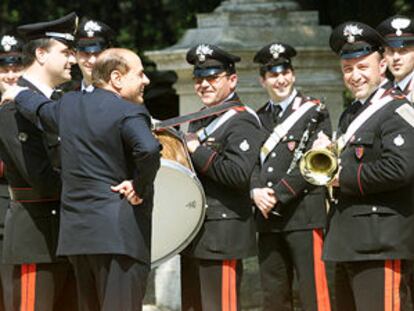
(187, 241)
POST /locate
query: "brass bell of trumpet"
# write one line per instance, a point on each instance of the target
(319, 166)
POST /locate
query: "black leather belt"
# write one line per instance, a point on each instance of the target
(28, 195)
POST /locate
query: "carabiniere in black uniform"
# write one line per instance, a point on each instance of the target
(212, 264)
(11, 67)
(300, 225)
(42, 281)
(371, 228)
(291, 239)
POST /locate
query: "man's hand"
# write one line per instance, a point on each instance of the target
(9, 92)
(265, 200)
(335, 180)
(192, 142)
(322, 141)
(126, 189)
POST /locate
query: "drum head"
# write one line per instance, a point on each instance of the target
(179, 208)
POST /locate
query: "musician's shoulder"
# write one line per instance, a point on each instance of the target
(406, 112)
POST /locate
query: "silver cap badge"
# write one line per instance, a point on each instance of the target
(203, 50)
(91, 27)
(400, 23)
(276, 49)
(7, 42)
(350, 31)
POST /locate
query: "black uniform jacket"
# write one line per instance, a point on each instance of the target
(4, 203)
(374, 219)
(224, 163)
(31, 158)
(105, 140)
(301, 204)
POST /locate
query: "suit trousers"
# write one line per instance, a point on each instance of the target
(210, 285)
(373, 285)
(110, 282)
(44, 287)
(283, 253)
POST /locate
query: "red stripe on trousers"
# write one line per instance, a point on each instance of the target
(28, 287)
(392, 275)
(228, 286)
(321, 283)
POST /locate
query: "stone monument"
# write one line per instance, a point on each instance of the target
(244, 26)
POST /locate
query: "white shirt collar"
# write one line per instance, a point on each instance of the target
(228, 97)
(87, 89)
(404, 82)
(286, 102)
(45, 89)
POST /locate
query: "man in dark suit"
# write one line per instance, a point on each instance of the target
(371, 228)
(223, 149)
(11, 68)
(107, 237)
(291, 213)
(41, 280)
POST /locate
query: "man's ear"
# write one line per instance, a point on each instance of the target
(383, 66)
(42, 55)
(233, 80)
(116, 79)
(262, 82)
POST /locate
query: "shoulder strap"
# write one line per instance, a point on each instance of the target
(282, 129)
(376, 105)
(197, 115)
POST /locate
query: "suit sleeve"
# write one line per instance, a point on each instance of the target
(394, 167)
(293, 184)
(145, 148)
(233, 162)
(39, 110)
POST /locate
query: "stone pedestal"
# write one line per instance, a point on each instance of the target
(242, 27)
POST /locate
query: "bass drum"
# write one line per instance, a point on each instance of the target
(179, 200)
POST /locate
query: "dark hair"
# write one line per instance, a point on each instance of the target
(29, 49)
(107, 62)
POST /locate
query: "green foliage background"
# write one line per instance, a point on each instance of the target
(154, 24)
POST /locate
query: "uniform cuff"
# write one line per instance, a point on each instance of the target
(350, 180)
(202, 158)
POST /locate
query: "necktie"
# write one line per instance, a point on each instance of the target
(350, 115)
(56, 95)
(275, 113)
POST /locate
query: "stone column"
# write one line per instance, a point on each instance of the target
(242, 27)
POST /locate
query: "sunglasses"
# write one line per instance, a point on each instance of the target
(210, 79)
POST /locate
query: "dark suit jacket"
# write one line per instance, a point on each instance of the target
(224, 164)
(301, 204)
(374, 217)
(31, 229)
(105, 140)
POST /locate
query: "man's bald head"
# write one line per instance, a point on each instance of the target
(110, 60)
(120, 71)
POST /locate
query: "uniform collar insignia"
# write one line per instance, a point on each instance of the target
(7, 42)
(400, 23)
(350, 31)
(276, 49)
(203, 50)
(91, 27)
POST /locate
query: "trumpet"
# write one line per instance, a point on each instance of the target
(319, 166)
